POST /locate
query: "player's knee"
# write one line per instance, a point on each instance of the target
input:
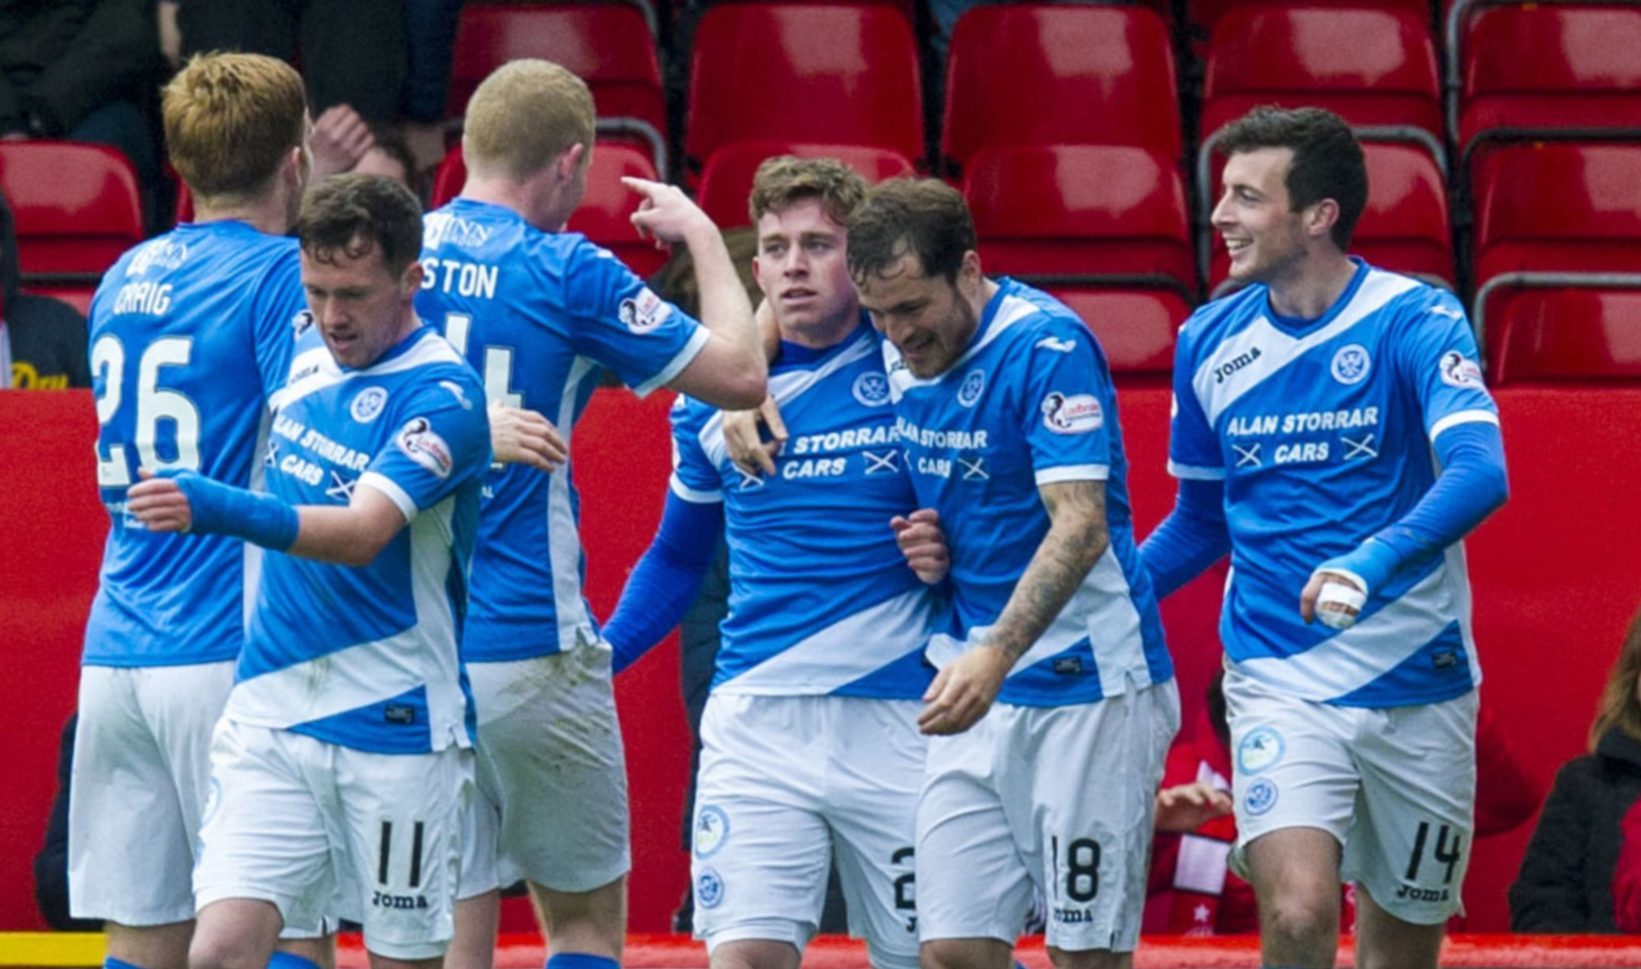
(1300, 918)
(214, 950)
(963, 954)
(1089, 959)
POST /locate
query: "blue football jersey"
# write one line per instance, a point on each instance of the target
(1030, 403)
(821, 600)
(366, 657)
(190, 333)
(1321, 430)
(539, 315)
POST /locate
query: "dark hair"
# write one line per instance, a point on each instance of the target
(922, 216)
(351, 214)
(1327, 158)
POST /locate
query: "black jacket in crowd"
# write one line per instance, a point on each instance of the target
(1566, 878)
(48, 336)
(60, 60)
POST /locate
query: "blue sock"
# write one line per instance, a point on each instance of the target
(581, 960)
(290, 960)
(109, 962)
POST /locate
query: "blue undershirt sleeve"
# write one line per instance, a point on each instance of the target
(1472, 484)
(1192, 537)
(666, 578)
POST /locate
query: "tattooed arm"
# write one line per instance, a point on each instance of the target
(964, 690)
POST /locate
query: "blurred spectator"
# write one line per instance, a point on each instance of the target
(389, 157)
(352, 53)
(42, 340)
(430, 33)
(51, 864)
(1572, 871)
(84, 70)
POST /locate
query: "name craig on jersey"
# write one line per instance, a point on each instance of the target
(844, 440)
(292, 429)
(462, 278)
(930, 437)
(1299, 422)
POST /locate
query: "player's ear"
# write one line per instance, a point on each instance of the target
(969, 277)
(1321, 216)
(411, 281)
(569, 162)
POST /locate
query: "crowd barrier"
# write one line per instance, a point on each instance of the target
(1557, 574)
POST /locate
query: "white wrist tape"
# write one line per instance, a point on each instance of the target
(1335, 595)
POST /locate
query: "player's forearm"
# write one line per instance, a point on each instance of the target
(1076, 539)
(725, 309)
(343, 535)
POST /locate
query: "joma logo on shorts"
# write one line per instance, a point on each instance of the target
(1422, 894)
(1073, 915)
(384, 900)
(1237, 363)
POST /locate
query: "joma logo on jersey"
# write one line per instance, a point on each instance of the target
(1236, 363)
(385, 900)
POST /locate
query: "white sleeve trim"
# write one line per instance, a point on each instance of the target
(394, 493)
(697, 342)
(689, 494)
(1192, 472)
(1073, 472)
(1463, 417)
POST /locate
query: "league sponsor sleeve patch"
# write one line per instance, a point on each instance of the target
(1458, 370)
(1072, 413)
(423, 445)
(643, 311)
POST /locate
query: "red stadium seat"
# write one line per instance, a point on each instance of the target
(603, 215)
(608, 45)
(1405, 226)
(1081, 209)
(907, 8)
(727, 180)
(1135, 327)
(1558, 215)
(76, 209)
(1552, 65)
(1204, 15)
(1041, 74)
(792, 72)
(1566, 334)
(1372, 65)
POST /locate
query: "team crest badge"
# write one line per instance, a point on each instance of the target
(367, 404)
(871, 389)
(968, 393)
(709, 889)
(1351, 364)
(1261, 796)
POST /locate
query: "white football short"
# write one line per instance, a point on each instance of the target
(323, 830)
(786, 784)
(552, 775)
(1051, 800)
(142, 763)
(1396, 786)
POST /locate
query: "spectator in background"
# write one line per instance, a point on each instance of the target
(389, 157)
(42, 340)
(1572, 874)
(84, 70)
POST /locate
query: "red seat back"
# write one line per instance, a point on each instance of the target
(604, 213)
(1204, 15)
(792, 72)
(608, 45)
(1558, 206)
(726, 181)
(76, 206)
(1371, 65)
(1565, 334)
(1039, 74)
(1135, 327)
(1081, 209)
(1552, 65)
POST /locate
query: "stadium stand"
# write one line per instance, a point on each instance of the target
(77, 208)
(604, 211)
(1102, 210)
(1041, 74)
(861, 87)
(1563, 215)
(1525, 69)
(610, 45)
(727, 179)
(1135, 327)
